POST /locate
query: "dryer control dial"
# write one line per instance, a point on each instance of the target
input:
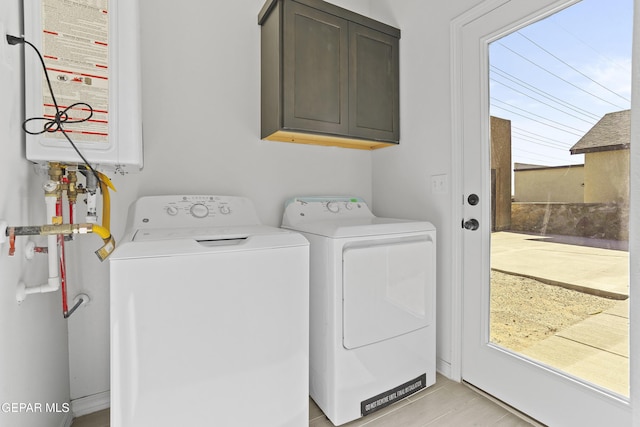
(172, 210)
(333, 207)
(199, 210)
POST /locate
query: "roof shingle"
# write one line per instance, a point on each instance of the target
(612, 132)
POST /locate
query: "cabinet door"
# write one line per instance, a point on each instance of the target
(374, 110)
(315, 71)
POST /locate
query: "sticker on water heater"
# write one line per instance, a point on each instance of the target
(75, 46)
(390, 396)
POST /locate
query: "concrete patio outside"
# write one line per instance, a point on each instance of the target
(596, 349)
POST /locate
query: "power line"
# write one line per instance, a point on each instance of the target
(558, 77)
(542, 146)
(538, 154)
(538, 121)
(536, 115)
(591, 122)
(542, 93)
(528, 144)
(510, 91)
(619, 65)
(528, 158)
(542, 143)
(540, 137)
(572, 67)
(524, 156)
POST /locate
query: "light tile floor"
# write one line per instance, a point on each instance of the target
(446, 403)
(97, 419)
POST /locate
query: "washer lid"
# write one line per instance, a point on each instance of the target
(199, 233)
(150, 243)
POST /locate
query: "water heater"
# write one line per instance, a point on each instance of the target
(91, 50)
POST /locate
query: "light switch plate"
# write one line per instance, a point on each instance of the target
(439, 184)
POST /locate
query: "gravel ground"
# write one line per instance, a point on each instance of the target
(525, 311)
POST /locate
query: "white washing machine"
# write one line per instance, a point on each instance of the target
(372, 304)
(209, 317)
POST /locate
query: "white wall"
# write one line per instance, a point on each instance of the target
(402, 177)
(201, 132)
(33, 335)
(201, 118)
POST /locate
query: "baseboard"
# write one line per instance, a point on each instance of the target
(90, 404)
(444, 368)
(67, 419)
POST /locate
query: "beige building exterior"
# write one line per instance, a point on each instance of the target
(604, 177)
(534, 183)
(607, 177)
(590, 200)
(606, 158)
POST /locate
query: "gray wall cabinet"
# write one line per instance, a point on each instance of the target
(329, 76)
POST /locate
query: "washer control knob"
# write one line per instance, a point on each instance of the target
(333, 207)
(348, 206)
(199, 210)
(172, 210)
(224, 209)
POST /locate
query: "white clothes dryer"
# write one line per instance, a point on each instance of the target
(372, 304)
(209, 317)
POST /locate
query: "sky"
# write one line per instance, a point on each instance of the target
(556, 78)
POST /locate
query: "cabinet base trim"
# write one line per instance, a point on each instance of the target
(327, 140)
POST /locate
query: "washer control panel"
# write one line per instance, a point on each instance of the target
(351, 204)
(307, 209)
(192, 210)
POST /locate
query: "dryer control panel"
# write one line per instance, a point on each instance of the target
(318, 208)
(191, 211)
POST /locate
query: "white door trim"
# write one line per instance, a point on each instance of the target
(456, 173)
(634, 225)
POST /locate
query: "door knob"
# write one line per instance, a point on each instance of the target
(471, 224)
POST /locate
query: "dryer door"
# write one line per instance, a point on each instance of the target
(385, 289)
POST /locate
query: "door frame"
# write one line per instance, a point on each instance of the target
(457, 203)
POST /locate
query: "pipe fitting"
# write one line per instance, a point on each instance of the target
(50, 188)
(22, 290)
(30, 250)
(72, 186)
(56, 170)
(85, 299)
(52, 229)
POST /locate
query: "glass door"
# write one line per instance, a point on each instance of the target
(545, 276)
